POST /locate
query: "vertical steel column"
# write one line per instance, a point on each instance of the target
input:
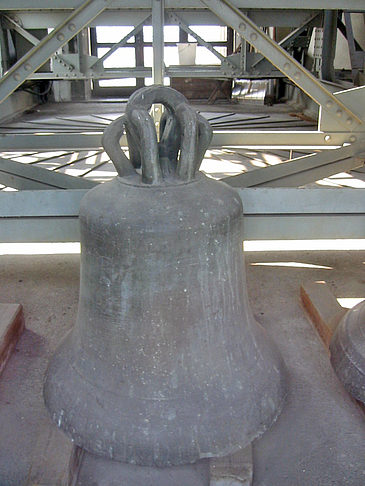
(139, 55)
(3, 50)
(83, 40)
(329, 44)
(158, 68)
(356, 57)
(158, 7)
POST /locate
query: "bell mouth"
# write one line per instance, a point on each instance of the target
(118, 427)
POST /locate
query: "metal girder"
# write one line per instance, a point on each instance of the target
(303, 226)
(287, 139)
(284, 201)
(284, 43)
(24, 176)
(353, 98)
(35, 41)
(269, 214)
(18, 28)
(119, 44)
(140, 72)
(137, 72)
(33, 59)
(263, 201)
(37, 204)
(91, 141)
(303, 170)
(357, 57)
(47, 18)
(227, 63)
(158, 14)
(280, 58)
(351, 5)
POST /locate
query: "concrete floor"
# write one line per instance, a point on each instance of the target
(318, 440)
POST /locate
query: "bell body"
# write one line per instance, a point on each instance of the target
(348, 351)
(166, 364)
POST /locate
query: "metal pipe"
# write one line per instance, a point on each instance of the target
(329, 44)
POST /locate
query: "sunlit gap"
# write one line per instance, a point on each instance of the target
(291, 264)
(249, 246)
(305, 245)
(39, 248)
(349, 302)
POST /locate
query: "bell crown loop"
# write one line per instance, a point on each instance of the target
(184, 137)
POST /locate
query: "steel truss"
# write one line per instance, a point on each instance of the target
(269, 214)
(341, 114)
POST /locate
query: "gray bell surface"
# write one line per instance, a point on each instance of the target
(348, 351)
(166, 364)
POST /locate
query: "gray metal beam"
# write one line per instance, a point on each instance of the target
(119, 44)
(351, 5)
(23, 176)
(357, 57)
(91, 141)
(303, 170)
(46, 18)
(329, 45)
(158, 20)
(304, 227)
(256, 201)
(35, 41)
(33, 59)
(256, 227)
(37, 204)
(269, 214)
(284, 43)
(225, 61)
(172, 71)
(280, 58)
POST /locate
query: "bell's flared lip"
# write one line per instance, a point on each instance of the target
(62, 381)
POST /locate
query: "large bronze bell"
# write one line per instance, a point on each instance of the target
(166, 364)
(348, 351)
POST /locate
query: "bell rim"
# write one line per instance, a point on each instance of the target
(187, 455)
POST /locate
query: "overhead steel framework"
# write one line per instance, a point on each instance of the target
(341, 115)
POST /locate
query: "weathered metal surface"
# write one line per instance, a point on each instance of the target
(348, 351)
(166, 364)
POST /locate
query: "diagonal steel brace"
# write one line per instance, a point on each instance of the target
(39, 54)
(289, 38)
(280, 58)
(201, 41)
(35, 41)
(119, 44)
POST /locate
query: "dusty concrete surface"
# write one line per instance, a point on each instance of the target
(48, 288)
(319, 439)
